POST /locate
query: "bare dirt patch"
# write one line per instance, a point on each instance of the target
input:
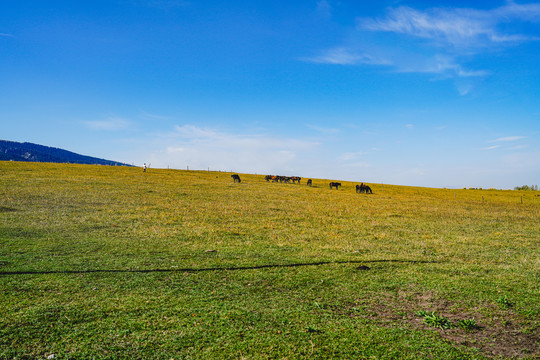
(501, 334)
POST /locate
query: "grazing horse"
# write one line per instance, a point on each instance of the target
(236, 178)
(335, 184)
(309, 182)
(295, 179)
(268, 177)
(363, 189)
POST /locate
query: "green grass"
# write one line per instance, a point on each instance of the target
(102, 262)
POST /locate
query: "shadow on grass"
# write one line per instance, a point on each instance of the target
(194, 270)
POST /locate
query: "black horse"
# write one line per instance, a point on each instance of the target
(236, 178)
(335, 184)
(309, 182)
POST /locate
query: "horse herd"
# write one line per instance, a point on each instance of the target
(360, 189)
(283, 179)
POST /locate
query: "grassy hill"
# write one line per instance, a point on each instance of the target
(110, 262)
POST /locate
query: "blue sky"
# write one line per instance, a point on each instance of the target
(427, 93)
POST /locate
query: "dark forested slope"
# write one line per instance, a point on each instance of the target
(16, 151)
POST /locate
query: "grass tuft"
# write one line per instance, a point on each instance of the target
(468, 324)
(435, 320)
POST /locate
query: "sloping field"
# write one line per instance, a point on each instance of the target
(102, 262)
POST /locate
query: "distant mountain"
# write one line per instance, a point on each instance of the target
(16, 151)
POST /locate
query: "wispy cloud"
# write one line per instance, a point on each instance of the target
(202, 147)
(499, 142)
(7, 35)
(462, 28)
(398, 61)
(215, 138)
(110, 124)
(345, 56)
(148, 115)
(508, 138)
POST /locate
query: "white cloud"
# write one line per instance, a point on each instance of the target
(110, 124)
(504, 139)
(508, 138)
(6, 35)
(345, 56)
(456, 27)
(206, 147)
(524, 12)
(215, 138)
(450, 26)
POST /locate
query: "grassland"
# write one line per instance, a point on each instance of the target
(104, 262)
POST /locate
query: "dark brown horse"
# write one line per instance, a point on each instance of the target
(296, 179)
(236, 178)
(335, 184)
(309, 182)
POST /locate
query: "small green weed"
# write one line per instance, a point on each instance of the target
(504, 302)
(422, 313)
(434, 319)
(468, 324)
